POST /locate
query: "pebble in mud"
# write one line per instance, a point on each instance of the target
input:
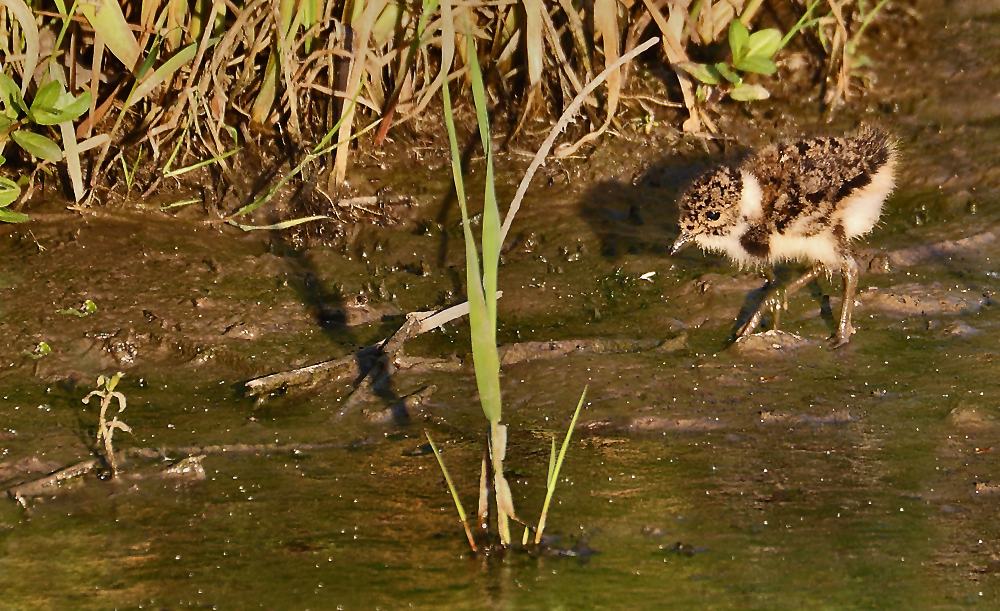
(243, 331)
(123, 346)
(188, 468)
(771, 341)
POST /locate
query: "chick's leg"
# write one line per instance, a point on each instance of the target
(851, 273)
(778, 301)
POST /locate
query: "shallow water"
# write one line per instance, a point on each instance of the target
(700, 477)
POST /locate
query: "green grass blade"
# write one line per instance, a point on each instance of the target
(200, 164)
(428, 9)
(554, 474)
(491, 213)
(336, 127)
(183, 202)
(454, 493)
(552, 465)
(867, 20)
(277, 226)
(67, 20)
(177, 149)
(298, 169)
(482, 326)
(164, 72)
(803, 23)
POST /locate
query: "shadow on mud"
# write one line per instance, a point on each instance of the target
(334, 314)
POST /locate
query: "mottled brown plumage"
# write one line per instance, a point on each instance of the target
(795, 200)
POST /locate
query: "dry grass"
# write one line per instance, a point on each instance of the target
(175, 83)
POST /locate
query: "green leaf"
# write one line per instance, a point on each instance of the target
(703, 72)
(738, 37)
(165, 71)
(756, 64)
(748, 93)
(38, 145)
(7, 216)
(70, 106)
(65, 108)
(89, 307)
(45, 116)
(764, 43)
(484, 331)
(10, 96)
(44, 104)
(9, 192)
(728, 74)
(42, 349)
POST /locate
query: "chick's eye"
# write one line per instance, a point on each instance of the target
(712, 216)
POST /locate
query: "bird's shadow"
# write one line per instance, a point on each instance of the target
(638, 217)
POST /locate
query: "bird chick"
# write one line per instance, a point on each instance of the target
(797, 200)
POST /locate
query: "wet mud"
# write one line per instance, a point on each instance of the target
(774, 473)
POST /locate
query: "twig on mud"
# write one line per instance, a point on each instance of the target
(313, 374)
(38, 487)
(510, 355)
(305, 376)
(22, 492)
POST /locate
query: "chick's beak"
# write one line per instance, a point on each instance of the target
(682, 240)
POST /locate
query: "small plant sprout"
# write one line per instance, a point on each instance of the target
(482, 273)
(130, 173)
(107, 428)
(556, 459)
(481, 283)
(751, 53)
(555, 466)
(88, 308)
(42, 349)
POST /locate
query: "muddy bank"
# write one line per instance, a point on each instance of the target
(790, 477)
